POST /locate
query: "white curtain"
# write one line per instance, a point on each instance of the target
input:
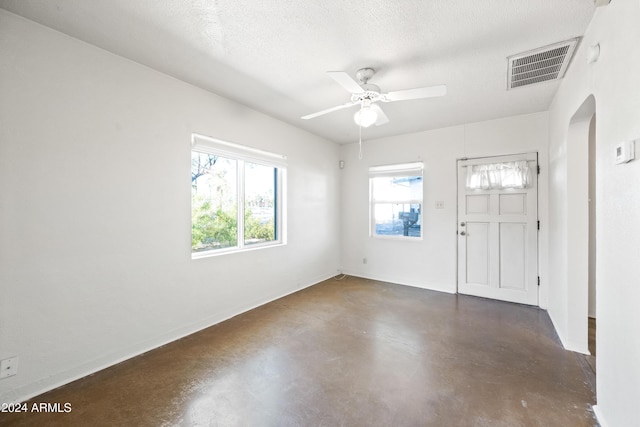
(497, 176)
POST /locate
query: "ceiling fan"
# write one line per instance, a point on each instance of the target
(366, 95)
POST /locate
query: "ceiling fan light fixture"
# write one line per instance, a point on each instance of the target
(365, 117)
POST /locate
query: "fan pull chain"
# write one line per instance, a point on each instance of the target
(360, 137)
(360, 151)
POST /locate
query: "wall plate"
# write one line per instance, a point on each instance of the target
(625, 152)
(8, 367)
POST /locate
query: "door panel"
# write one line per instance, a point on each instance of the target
(512, 255)
(513, 204)
(477, 204)
(478, 243)
(498, 237)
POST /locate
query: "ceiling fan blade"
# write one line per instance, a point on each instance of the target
(346, 81)
(421, 92)
(328, 110)
(382, 117)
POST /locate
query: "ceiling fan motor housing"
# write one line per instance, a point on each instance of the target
(371, 92)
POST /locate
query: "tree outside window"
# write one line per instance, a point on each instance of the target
(234, 203)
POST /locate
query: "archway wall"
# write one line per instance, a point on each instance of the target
(576, 229)
(612, 85)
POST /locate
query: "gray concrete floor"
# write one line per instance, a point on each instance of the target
(591, 359)
(353, 352)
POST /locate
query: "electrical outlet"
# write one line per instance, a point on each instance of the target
(9, 367)
(440, 204)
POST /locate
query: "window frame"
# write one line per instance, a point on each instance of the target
(243, 154)
(395, 170)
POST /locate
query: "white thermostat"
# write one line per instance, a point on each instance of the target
(625, 152)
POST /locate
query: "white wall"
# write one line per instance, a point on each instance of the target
(592, 218)
(614, 82)
(95, 261)
(431, 263)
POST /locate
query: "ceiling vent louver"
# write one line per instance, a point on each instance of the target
(540, 65)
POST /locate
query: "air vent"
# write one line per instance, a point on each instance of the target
(540, 65)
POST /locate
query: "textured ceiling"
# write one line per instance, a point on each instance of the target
(272, 55)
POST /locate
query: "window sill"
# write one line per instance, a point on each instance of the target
(234, 250)
(398, 238)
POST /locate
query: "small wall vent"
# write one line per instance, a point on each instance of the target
(540, 65)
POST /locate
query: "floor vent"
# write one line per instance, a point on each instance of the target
(540, 65)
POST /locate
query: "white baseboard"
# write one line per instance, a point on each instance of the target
(599, 416)
(439, 287)
(578, 347)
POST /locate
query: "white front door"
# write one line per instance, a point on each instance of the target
(498, 236)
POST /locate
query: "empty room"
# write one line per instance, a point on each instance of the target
(400, 213)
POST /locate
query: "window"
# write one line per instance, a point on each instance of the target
(498, 176)
(236, 197)
(396, 200)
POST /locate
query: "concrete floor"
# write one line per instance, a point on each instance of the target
(591, 359)
(353, 352)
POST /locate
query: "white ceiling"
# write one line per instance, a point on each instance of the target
(272, 55)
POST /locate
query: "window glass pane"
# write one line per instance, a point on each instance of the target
(214, 202)
(499, 176)
(397, 219)
(259, 203)
(397, 188)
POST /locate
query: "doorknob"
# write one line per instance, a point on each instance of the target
(462, 233)
(462, 224)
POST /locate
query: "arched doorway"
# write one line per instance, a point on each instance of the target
(581, 262)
